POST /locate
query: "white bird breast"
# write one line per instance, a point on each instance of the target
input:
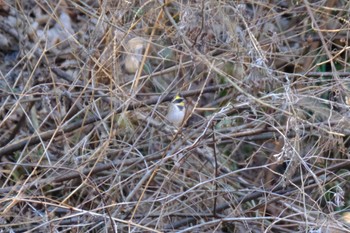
(175, 116)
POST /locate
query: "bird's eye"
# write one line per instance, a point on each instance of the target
(177, 101)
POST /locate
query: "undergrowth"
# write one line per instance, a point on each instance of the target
(85, 87)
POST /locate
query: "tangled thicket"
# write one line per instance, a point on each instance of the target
(85, 85)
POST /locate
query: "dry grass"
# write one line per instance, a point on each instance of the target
(84, 146)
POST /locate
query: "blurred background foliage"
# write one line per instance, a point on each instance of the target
(85, 86)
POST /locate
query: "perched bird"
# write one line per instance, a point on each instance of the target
(176, 111)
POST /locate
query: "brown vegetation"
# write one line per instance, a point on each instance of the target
(85, 85)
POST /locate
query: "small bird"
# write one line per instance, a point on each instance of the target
(176, 111)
